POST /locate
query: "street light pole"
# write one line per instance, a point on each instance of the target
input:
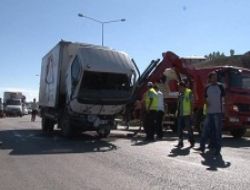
(102, 23)
(102, 34)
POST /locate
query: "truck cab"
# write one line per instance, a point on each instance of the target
(13, 107)
(237, 100)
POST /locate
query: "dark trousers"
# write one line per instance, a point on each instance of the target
(159, 119)
(150, 123)
(33, 115)
(182, 122)
(212, 128)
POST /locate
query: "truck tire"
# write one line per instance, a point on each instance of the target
(67, 129)
(47, 125)
(238, 133)
(103, 132)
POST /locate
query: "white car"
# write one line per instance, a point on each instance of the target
(25, 110)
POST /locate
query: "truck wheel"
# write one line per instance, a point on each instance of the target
(103, 132)
(238, 133)
(47, 125)
(77, 131)
(67, 130)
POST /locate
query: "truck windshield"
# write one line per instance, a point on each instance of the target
(111, 86)
(239, 79)
(13, 102)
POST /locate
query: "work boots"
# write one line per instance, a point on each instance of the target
(180, 144)
(191, 143)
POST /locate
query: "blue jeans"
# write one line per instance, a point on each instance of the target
(212, 128)
(182, 122)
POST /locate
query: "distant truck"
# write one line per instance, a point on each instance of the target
(83, 87)
(13, 102)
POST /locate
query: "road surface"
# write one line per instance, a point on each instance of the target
(30, 160)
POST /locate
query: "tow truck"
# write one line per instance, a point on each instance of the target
(171, 69)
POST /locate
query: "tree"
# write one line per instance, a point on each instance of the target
(214, 55)
(232, 52)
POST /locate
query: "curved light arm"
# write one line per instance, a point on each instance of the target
(81, 15)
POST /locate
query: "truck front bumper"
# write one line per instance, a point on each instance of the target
(237, 121)
(13, 112)
(92, 122)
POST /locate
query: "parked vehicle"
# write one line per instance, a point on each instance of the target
(28, 105)
(13, 103)
(29, 110)
(2, 114)
(83, 87)
(25, 110)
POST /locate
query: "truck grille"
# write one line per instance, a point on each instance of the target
(244, 107)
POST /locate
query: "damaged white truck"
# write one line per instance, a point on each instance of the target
(83, 87)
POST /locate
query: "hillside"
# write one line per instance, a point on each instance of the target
(237, 60)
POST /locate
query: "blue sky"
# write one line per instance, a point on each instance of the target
(30, 28)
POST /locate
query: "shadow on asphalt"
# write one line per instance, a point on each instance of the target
(214, 162)
(179, 152)
(29, 142)
(139, 139)
(235, 143)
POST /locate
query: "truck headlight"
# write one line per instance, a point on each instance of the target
(234, 119)
(235, 108)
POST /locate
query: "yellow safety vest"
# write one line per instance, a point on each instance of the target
(154, 105)
(187, 103)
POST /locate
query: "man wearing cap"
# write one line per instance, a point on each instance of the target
(184, 113)
(151, 107)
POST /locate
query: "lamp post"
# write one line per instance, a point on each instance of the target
(102, 23)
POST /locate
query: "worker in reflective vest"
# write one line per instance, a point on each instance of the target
(184, 113)
(160, 112)
(151, 108)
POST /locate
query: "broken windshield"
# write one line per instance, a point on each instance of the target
(108, 85)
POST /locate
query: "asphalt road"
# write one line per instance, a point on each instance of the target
(30, 160)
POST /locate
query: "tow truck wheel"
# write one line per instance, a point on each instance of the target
(238, 133)
(47, 125)
(103, 132)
